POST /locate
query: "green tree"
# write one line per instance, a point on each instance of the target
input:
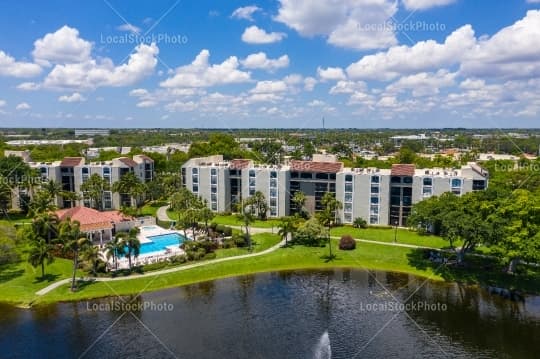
(41, 202)
(132, 244)
(93, 189)
(91, 256)
(328, 217)
(287, 227)
(73, 241)
(258, 202)
(131, 185)
(246, 215)
(206, 215)
(115, 248)
(299, 202)
(40, 253)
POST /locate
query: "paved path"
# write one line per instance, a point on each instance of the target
(162, 215)
(164, 271)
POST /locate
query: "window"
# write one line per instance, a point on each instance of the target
(427, 190)
(323, 176)
(214, 189)
(374, 189)
(375, 179)
(107, 174)
(479, 185)
(395, 179)
(428, 181)
(455, 184)
(348, 178)
(306, 175)
(107, 200)
(294, 174)
(347, 198)
(273, 194)
(408, 180)
(374, 200)
(273, 174)
(348, 187)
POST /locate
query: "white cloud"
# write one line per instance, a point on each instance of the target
(423, 56)
(29, 86)
(261, 61)
(471, 84)
(147, 103)
(245, 12)
(23, 106)
(331, 74)
(309, 83)
(201, 74)
(129, 28)
(2, 103)
(348, 87)
(316, 103)
(138, 92)
(10, 67)
(62, 46)
(423, 84)
(269, 87)
(255, 35)
(92, 73)
(513, 52)
(355, 24)
(74, 97)
(425, 4)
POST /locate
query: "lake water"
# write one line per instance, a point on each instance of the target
(301, 314)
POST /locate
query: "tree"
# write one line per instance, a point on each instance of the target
(132, 244)
(46, 225)
(40, 253)
(53, 188)
(41, 202)
(311, 233)
(5, 195)
(115, 248)
(360, 223)
(206, 215)
(287, 227)
(131, 185)
(246, 215)
(183, 200)
(328, 217)
(258, 202)
(91, 256)
(93, 189)
(521, 239)
(299, 201)
(73, 241)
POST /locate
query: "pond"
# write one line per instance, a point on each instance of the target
(299, 314)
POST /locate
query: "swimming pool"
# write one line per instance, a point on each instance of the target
(161, 242)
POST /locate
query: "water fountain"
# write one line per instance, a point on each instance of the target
(323, 349)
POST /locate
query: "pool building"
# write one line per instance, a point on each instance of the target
(380, 196)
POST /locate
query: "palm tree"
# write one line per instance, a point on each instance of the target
(40, 253)
(91, 256)
(93, 189)
(5, 195)
(115, 248)
(53, 188)
(246, 216)
(132, 244)
(328, 216)
(73, 241)
(206, 216)
(299, 201)
(41, 202)
(286, 226)
(129, 184)
(46, 225)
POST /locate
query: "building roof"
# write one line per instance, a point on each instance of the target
(144, 157)
(239, 164)
(402, 170)
(311, 166)
(91, 219)
(72, 161)
(128, 162)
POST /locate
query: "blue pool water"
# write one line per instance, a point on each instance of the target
(161, 242)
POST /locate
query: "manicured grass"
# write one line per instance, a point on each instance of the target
(366, 255)
(150, 209)
(261, 242)
(233, 221)
(387, 235)
(20, 281)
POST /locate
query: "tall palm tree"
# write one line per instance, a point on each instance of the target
(40, 252)
(115, 248)
(91, 256)
(206, 215)
(299, 201)
(46, 224)
(41, 202)
(53, 188)
(132, 244)
(72, 241)
(246, 216)
(287, 226)
(129, 184)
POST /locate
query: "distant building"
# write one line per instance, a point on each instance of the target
(92, 132)
(72, 172)
(25, 155)
(47, 142)
(380, 196)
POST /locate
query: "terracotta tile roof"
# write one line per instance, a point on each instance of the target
(145, 157)
(128, 162)
(239, 164)
(71, 161)
(310, 166)
(402, 170)
(91, 219)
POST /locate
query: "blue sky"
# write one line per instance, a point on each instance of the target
(284, 63)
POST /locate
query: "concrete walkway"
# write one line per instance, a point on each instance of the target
(162, 215)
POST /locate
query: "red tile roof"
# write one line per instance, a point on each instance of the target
(128, 162)
(91, 219)
(310, 166)
(72, 161)
(239, 164)
(402, 170)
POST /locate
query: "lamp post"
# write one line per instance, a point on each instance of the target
(395, 231)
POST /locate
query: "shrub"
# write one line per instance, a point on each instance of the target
(227, 231)
(229, 243)
(347, 243)
(360, 223)
(8, 253)
(178, 259)
(220, 228)
(210, 256)
(240, 240)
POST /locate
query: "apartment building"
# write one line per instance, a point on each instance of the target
(72, 172)
(380, 196)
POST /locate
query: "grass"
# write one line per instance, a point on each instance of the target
(403, 236)
(150, 209)
(233, 221)
(366, 255)
(261, 242)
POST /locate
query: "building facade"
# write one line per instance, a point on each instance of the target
(380, 196)
(72, 172)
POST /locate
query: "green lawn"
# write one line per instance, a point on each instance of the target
(150, 209)
(387, 235)
(261, 242)
(19, 282)
(366, 255)
(233, 221)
